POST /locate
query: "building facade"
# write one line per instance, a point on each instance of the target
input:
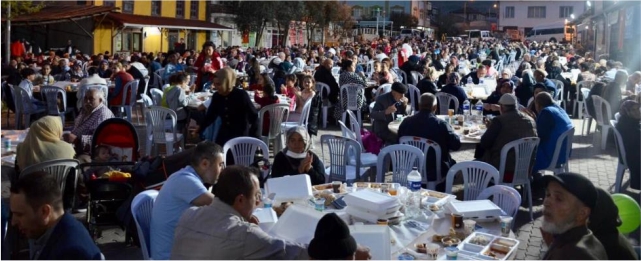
(370, 10)
(524, 15)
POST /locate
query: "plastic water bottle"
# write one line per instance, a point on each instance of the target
(478, 108)
(469, 81)
(466, 108)
(414, 198)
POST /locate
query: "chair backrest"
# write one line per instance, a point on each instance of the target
(584, 84)
(369, 69)
(50, 94)
(403, 158)
(558, 97)
(161, 73)
(425, 145)
(404, 75)
(141, 209)
(506, 197)
(244, 149)
(58, 168)
(476, 177)
(417, 76)
(414, 94)
(336, 70)
(157, 80)
(352, 91)
(278, 113)
(618, 141)
(21, 98)
(566, 138)
(84, 88)
(146, 100)
(130, 91)
(192, 78)
(323, 88)
(444, 100)
(338, 148)
(304, 116)
(599, 105)
(157, 118)
(156, 96)
(355, 126)
(524, 155)
(383, 89)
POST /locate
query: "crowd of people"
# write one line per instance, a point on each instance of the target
(192, 221)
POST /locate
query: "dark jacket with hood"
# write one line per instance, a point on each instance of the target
(604, 223)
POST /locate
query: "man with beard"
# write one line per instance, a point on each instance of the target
(569, 201)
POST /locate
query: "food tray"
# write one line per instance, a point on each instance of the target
(435, 197)
(328, 186)
(501, 247)
(371, 200)
(475, 209)
(372, 185)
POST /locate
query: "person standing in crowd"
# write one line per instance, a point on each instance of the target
(208, 63)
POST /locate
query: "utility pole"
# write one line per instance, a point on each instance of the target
(7, 47)
(378, 10)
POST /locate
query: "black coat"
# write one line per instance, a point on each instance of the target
(313, 121)
(325, 76)
(237, 112)
(284, 166)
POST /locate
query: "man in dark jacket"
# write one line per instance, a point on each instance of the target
(36, 204)
(539, 76)
(324, 75)
(412, 64)
(425, 124)
(476, 75)
(386, 107)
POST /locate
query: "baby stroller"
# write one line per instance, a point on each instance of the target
(107, 182)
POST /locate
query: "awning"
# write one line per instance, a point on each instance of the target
(128, 20)
(60, 14)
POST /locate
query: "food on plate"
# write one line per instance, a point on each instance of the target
(115, 174)
(456, 127)
(504, 242)
(281, 209)
(450, 241)
(322, 186)
(437, 238)
(328, 196)
(435, 208)
(375, 185)
(362, 185)
(421, 248)
(480, 240)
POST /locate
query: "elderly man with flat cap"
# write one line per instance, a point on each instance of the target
(569, 200)
(386, 107)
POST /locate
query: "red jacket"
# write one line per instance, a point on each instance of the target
(203, 77)
(17, 49)
(121, 79)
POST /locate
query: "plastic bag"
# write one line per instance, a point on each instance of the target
(371, 142)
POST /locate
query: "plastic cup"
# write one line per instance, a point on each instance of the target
(450, 112)
(451, 253)
(457, 221)
(432, 250)
(392, 189)
(336, 186)
(319, 204)
(506, 225)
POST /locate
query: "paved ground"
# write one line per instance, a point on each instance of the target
(598, 165)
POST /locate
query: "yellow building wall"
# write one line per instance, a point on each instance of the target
(202, 10)
(143, 7)
(168, 9)
(102, 39)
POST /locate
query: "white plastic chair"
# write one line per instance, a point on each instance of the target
(367, 159)
(417, 76)
(586, 115)
(579, 102)
(507, 198)
(444, 100)
(24, 107)
(404, 76)
(157, 81)
(403, 158)
(162, 129)
(335, 71)
(161, 73)
(278, 113)
(84, 88)
(602, 120)
(352, 91)
(425, 145)
(133, 86)
(524, 155)
(476, 177)
(324, 92)
(141, 209)
(415, 95)
(338, 169)
(140, 103)
(243, 149)
(558, 98)
(59, 169)
(622, 163)
(156, 96)
(50, 95)
(302, 121)
(555, 166)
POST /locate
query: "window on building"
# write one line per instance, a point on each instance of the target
(356, 12)
(156, 7)
(109, 3)
(128, 6)
(180, 9)
(373, 12)
(536, 12)
(193, 9)
(566, 11)
(509, 12)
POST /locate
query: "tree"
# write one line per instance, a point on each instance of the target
(13, 8)
(251, 15)
(403, 19)
(343, 22)
(285, 12)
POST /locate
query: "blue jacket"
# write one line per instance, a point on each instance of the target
(458, 92)
(70, 240)
(551, 122)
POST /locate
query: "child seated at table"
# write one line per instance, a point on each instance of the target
(291, 91)
(29, 75)
(174, 96)
(264, 98)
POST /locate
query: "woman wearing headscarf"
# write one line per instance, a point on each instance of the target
(630, 130)
(490, 105)
(297, 158)
(604, 223)
(525, 90)
(43, 143)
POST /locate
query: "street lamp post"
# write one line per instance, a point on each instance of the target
(378, 10)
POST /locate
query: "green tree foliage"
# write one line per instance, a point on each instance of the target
(20, 7)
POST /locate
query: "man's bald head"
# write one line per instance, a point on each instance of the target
(427, 102)
(328, 63)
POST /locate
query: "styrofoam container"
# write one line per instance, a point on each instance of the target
(475, 209)
(371, 201)
(297, 224)
(472, 251)
(289, 188)
(376, 237)
(368, 216)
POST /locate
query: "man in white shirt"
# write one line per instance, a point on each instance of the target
(93, 79)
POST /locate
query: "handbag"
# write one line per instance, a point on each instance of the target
(371, 143)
